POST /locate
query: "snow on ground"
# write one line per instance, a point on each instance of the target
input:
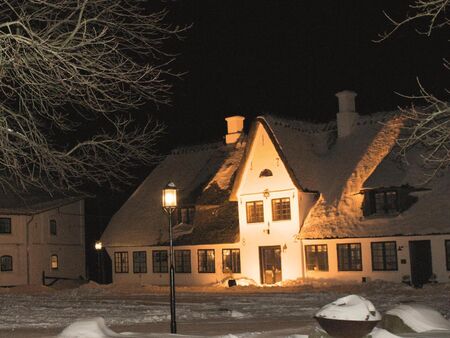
(203, 311)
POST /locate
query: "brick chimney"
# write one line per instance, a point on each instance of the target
(347, 116)
(235, 127)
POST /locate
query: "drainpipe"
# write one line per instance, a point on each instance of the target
(27, 232)
(302, 254)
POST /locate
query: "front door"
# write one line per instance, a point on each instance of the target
(270, 258)
(420, 257)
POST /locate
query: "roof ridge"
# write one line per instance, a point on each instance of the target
(196, 148)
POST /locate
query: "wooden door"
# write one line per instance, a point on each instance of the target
(421, 263)
(270, 262)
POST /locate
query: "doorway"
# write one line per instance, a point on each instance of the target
(421, 263)
(270, 259)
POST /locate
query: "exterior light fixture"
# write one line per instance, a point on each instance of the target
(169, 204)
(98, 245)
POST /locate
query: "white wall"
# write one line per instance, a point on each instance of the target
(193, 278)
(404, 269)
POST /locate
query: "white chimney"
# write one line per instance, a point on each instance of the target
(235, 127)
(346, 117)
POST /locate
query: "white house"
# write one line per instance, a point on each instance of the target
(290, 200)
(40, 234)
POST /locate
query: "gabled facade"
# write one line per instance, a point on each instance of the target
(292, 200)
(37, 235)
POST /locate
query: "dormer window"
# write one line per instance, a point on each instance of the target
(266, 173)
(381, 202)
(186, 215)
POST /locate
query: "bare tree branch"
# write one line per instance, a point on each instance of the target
(65, 63)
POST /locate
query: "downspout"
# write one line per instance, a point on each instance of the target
(27, 236)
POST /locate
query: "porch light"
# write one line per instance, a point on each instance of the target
(98, 245)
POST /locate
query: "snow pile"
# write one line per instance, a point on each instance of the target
(352, 307)
(420, 318)
(92, 328)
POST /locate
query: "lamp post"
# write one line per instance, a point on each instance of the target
(169, 204)
(98, 247)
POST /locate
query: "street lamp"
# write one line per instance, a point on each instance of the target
(169, 204)
(98, 247)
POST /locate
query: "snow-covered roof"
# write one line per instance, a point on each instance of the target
(33, 202)
(204, 176)
(354, 163)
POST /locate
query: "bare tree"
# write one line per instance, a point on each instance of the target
(65, 64)
(428, 118)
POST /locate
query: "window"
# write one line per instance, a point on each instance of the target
(206, 261)
(265, 173)
(139, 262)
(281, 209)
(5, 225)
(52, 227)
(316, 257)
(255, 213)
(349, 257)
(231, 260)
(160, 264)
(447, 253)
(54, 264)
(183, 261)
(185, 215)
(6, 263)
(384, 201)
(121, 262)
(384, 256)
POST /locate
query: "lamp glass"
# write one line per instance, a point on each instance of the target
(169, 196)
(98, 245)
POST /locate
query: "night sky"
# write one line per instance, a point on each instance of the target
(283, 57)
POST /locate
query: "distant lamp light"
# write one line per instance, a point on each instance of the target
(98, 245)
(169, 196)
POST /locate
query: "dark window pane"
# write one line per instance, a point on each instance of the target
(384, 256)
(316, 257)
(160, 261)
(349, 257)
(6, 263)
(121, 262)
(53, 227)
(231, 261)
(183, 261)
(206, 261)
(5, 225)
(139, 262)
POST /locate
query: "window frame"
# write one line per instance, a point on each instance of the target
(184, 265)
(10, 263)
(54, 259)
(121, 265)
(254, 207)
(384, 261)
(280, 215)
(53, 227)
(9, 226)
(185, 215)
(316, 257)
(235, 264)
(447, 253)
(349, 257)
(156, 258)
(207, 266)
(138, 265)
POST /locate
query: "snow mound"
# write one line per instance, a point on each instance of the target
(381, 333)
(352, 307)
(91, 328)
(239, 282)
(420, 318)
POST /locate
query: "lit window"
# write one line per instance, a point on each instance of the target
(54, 262)
(349, 257)
(5, 225)
(140, 262)
(255, 212)
(384, 256)
(316, 257)
(231, 260)
(160, 262)
(183, 261)
(6, 263)
(206, 261)
(53, 227)
(281, 209)
(121, 262)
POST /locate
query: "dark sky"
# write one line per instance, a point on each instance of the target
(287, 57)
